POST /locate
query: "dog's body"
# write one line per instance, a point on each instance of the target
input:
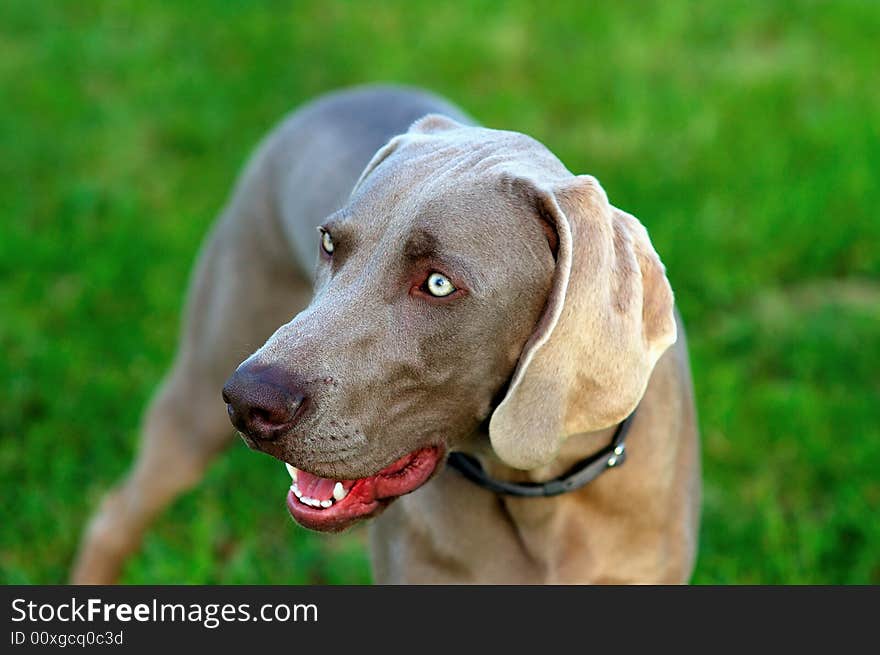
(527, 365)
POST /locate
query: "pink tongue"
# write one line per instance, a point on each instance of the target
(314, 487)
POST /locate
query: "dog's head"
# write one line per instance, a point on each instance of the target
(470, 281)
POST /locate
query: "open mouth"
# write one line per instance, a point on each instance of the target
(332, 505)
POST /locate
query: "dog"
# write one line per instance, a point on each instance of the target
(484, 359)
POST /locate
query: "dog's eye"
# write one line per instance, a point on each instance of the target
(326, 242)
(438, 285)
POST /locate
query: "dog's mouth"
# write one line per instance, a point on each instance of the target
(332, 505)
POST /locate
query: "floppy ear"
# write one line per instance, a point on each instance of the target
(381, 155)
(432, 123)
(428, 124)
(607, 320)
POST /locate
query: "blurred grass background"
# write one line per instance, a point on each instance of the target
(745, 135)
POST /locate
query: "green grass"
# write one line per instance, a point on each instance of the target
(746, 136)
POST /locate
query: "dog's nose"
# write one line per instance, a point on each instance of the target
(263, 402)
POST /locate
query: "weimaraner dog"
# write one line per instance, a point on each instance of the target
(471, 331)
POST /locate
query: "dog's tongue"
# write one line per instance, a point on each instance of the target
(314, 487)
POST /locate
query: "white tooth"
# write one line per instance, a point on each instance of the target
(296, 491)
(291, 470)
(326, 503)
(339, 491)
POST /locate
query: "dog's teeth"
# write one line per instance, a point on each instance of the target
(339, 491)
(311, 502)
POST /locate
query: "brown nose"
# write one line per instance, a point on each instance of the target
(263, 402)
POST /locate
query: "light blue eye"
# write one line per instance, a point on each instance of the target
(326, 242)
(439, 285)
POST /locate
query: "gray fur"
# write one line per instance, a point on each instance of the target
(562, 289)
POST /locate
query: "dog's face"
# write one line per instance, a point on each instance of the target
(430, 283)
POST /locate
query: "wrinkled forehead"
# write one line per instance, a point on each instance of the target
(446, 190)
(460, 157)
(453, 227)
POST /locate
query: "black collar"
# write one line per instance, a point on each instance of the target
(587, 470)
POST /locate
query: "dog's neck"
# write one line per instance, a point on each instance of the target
(573, 450)
(546, 531)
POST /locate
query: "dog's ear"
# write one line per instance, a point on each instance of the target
(607, 320)
(433, 123)
(381, 155)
